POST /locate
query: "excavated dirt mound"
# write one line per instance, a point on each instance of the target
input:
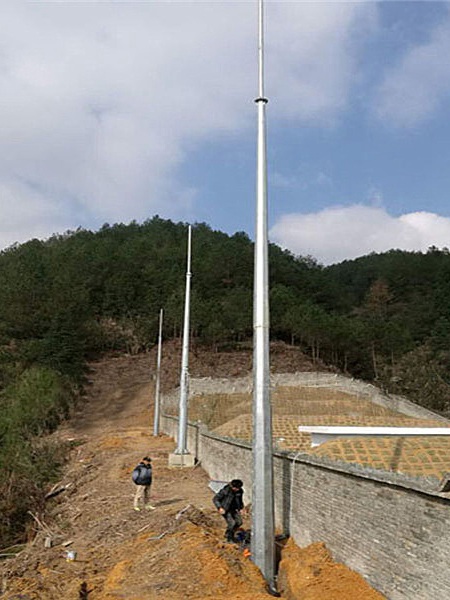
(310, 573)
(174, 552)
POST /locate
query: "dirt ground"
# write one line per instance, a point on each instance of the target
(173, 552)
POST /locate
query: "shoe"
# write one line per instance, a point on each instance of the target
(136, 508)
(149, 507)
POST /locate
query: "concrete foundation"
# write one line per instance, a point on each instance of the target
(181, 460)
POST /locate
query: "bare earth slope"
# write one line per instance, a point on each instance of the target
(173, 552)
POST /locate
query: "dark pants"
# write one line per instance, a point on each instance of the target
(234, 521)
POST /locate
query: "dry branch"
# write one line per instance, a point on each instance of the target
(57, 489)
(41, 524)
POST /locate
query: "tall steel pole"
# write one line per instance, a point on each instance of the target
(184, 379)
(263, 534)
(158, 376)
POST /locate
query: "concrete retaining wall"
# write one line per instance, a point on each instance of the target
(392, 529)
(208, 385)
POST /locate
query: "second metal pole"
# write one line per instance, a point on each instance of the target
(184, 379)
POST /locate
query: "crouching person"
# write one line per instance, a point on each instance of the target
(229, 503)
(142, 477)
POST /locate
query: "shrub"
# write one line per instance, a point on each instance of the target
(31, 407)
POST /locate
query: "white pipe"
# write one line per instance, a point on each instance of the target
(323, 433)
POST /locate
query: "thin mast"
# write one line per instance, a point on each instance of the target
(158, 377)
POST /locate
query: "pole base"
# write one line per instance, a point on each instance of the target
(181, 460)
(272, 590)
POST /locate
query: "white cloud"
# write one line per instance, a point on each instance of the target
(28, 213)
(303, 178)
(340, 233)
(100, 103)
(313, 56)
(286, 182)
(415, 87)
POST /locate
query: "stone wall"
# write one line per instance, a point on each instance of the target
(393, 530)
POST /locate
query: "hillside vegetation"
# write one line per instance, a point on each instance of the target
(383, 318)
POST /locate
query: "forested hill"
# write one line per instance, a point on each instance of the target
(400, 304)
(383, 318)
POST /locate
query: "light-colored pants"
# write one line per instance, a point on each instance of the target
(142, 495)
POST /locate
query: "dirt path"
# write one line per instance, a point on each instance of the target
(174, 552)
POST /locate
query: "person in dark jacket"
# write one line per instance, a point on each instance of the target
(142, 477)
(229, 503)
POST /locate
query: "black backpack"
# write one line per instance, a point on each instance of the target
(142, 475)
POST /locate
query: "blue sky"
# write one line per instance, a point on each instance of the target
(114, 111)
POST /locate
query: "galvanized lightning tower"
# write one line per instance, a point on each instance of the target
(263, 534)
